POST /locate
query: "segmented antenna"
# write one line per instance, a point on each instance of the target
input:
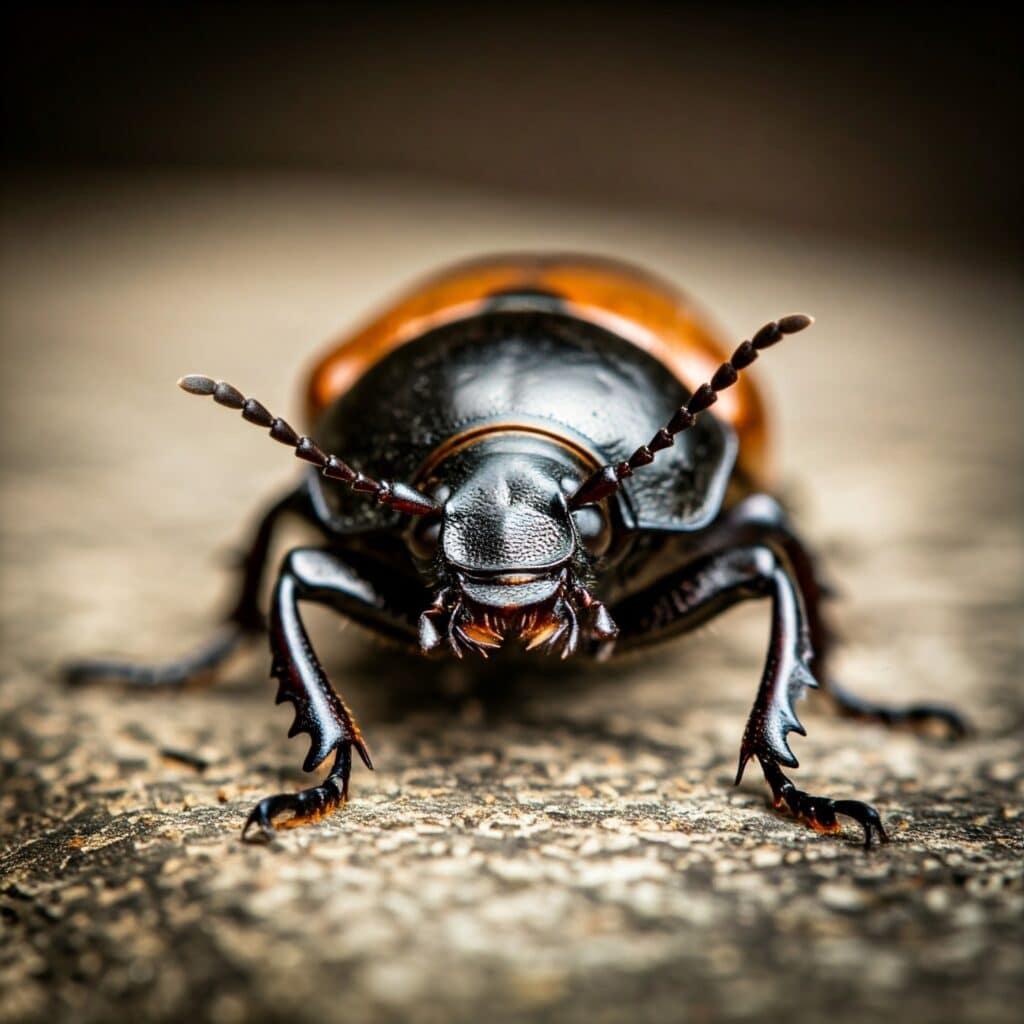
(398, 496)
(605, 481)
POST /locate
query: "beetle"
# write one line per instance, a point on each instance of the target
(565, 459)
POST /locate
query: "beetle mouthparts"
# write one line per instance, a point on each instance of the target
(558, 622)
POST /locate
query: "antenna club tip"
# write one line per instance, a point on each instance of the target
(795, 322)
(197, 384)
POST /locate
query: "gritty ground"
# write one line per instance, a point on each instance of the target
(535, 844)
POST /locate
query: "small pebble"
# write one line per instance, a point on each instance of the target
(841, 897)
(766, 857)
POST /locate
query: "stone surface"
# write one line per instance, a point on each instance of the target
(537, 843)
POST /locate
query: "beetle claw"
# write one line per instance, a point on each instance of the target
(820, 812)
(307, 805)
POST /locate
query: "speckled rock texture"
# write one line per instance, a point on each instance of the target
(537, 843)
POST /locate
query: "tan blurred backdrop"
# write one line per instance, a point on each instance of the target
(218, 189)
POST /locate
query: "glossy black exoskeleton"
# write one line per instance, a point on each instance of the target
(504, 401)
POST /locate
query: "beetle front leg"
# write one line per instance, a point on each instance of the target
(706, 588)
(323, 577)
(760, 519)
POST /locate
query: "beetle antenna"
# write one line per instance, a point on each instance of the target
(605, 481)
(398, 496)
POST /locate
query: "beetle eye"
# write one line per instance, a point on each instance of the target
(594, 529)
(423, 538)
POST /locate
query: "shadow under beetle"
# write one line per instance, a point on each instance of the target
(503, 400)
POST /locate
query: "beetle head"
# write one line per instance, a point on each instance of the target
(510, 558)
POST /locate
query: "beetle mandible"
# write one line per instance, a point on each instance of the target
(503, 407)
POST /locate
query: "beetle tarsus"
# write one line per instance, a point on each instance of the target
(307, 805)
(818, 811)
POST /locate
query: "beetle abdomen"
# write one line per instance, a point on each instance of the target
(624, 300)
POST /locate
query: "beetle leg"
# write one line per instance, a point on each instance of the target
(323, 577)
(246, 610)
(243, 620)
(820, 812)
(198, 666)
(308, 805)
(761, 519)
(914, 716)
(706, 588)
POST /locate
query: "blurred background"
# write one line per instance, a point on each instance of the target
(220, 188)
(892, 126)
